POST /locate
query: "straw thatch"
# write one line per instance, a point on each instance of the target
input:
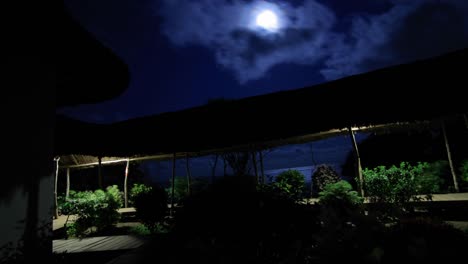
(415, 92)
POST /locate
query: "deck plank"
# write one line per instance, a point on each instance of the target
(94, 244)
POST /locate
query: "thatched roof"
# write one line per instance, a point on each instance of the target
(415, 92)
(48, 60)
(88, 72)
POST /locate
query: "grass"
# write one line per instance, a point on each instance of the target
(140, 230)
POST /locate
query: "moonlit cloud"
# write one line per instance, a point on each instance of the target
(307, 35)
(229, 29)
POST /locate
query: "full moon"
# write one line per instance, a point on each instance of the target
(268, 20)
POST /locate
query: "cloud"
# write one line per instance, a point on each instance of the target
(227, 28)
(308, 35)
(409, 31)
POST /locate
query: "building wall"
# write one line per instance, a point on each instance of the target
(28, 120)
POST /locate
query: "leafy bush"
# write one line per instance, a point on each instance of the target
(114, 196)
(136, 190)
(234, 223)
(151, 207)
(323, 175)
(339, 206)
(140, 230)
(464, 170)
(340, 193)
(180, 189)
(402, 184)
(291, 184)
(431, 180)
(94, 209)
(64, 205)
(391, 189)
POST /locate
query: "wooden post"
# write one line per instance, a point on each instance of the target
(189, 175)
(262, 170)
(99, 173)
(67, 191)
(449, 157)
(225, 167)
(254, 162)
(55, 187)
(125, 183)
(173, 183)
(466, 120)
(358, 161)
(213, 169)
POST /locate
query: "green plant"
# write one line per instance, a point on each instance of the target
(94, 209)
(323, 175)
(391, 189)
(403, 183)
(136, 190)
(464, 170)
(431, 180)
(65, 205)
(340, 193)
(140, 230)
(151, 207)
(291, 184)
(339, 205)
(180, 189)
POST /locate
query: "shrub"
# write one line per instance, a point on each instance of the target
(291, 184)
(339, 205)
(151, 207)
(391, 189)
(94, 209)
(340, 193)
(180, 189)
(323, 175)
(402, 184)
(140, 230)
(65, 205)
(464, 170)
(136, 190)
(431, 180)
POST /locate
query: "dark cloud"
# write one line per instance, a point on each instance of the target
(409, 31)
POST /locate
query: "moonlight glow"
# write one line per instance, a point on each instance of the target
(268, 20)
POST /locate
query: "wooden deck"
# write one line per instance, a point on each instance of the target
(446, 197)
(450, 197)
(95, 244)
(60, 221)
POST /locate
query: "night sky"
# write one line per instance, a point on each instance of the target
(182, 53)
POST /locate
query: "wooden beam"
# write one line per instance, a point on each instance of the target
(466, 120)
(358, 161)
(224, 167)
(189, 175)
(267, 144)
(254, 162)
(262, 170)
(125, 184)
(74, 159)
(67, 191)
(213, 169)
(99, 172)
(173, 183)
(55, 186)
(449, 157)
